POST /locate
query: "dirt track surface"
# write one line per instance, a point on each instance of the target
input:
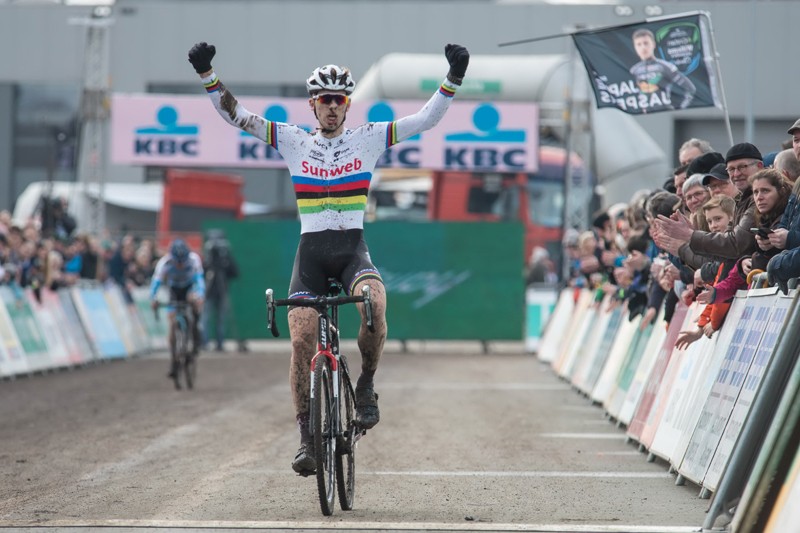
(466, 441)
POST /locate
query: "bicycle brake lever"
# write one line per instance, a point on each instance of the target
(272, 326)
(367, 308)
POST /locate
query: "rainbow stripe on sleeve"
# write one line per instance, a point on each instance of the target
(213, 85)
(447, 91)
(391, 135)
(272, 134)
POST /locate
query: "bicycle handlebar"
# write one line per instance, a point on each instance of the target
(320, 303)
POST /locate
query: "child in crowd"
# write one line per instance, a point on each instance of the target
(719, 213)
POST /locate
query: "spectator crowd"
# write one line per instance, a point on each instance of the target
(45, 253)
(720, 220)
(39, 255)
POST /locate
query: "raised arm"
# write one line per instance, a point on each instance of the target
(433, 111)
(227, 106)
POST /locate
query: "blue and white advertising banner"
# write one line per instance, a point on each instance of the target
(726, 388)
(51, 328)
(557, 326)
(597, 363)
(775, 322)
(594, 341)
(119, 314)
(96, 317)
(175, 130)
(27, 328)
(12, 356)
(80, 341)
(643, 369)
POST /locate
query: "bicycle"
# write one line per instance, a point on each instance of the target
(184, 360)
(333, 426)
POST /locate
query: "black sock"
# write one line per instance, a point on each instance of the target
(365, 379)
(302, 425)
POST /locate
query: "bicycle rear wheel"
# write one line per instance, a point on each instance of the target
(323, 424)
(346, 451)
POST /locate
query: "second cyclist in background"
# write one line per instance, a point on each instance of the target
(181, 271)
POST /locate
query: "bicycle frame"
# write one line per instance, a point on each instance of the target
(183, 317)
(327, 308)
(328, 346)
(181, 354)
(333, 433)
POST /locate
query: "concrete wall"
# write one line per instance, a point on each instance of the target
(271, 42)
(6, 126)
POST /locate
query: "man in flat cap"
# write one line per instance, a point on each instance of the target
(786, 265)
(695, 247)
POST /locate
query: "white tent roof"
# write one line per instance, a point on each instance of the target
(137, 196)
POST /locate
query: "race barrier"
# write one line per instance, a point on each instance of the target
(540, 300)
(74, 326)
(724, 412)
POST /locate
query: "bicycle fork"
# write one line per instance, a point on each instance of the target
(324, 349)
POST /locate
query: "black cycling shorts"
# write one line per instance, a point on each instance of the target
(179, 294)
(342, 255)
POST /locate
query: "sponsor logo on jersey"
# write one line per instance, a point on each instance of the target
(312, 170)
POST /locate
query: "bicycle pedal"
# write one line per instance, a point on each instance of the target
(307, 473)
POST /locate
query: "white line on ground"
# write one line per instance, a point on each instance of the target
(349, 525)
(543, 474)
(491, 473)
(583, 436)
(437, 386)
(632, 452)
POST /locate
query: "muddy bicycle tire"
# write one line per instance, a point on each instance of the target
(323, 427)
(178, 360)
(346, 451)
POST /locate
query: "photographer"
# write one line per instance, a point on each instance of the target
(56, 221)
(220, 268)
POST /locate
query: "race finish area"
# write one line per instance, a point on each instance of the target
(122, 526)
(467, 442)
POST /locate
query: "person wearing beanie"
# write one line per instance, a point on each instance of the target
(704, 163)
(741, 161)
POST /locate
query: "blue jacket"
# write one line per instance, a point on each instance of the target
(785, 265)
(791, 222)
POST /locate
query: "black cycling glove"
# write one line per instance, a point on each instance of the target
(458, 57)
(200, 56)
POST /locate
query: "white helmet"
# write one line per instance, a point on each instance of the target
(330, 78)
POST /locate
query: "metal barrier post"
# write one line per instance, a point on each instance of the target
(758, 420)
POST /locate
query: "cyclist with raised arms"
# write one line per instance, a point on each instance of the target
(331, 169)
(181, 271)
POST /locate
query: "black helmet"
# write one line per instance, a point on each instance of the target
(179, 250)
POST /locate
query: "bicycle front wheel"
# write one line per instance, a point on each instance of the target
(189, 368)
(323, 423)
(180, 356)
(346, 450)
